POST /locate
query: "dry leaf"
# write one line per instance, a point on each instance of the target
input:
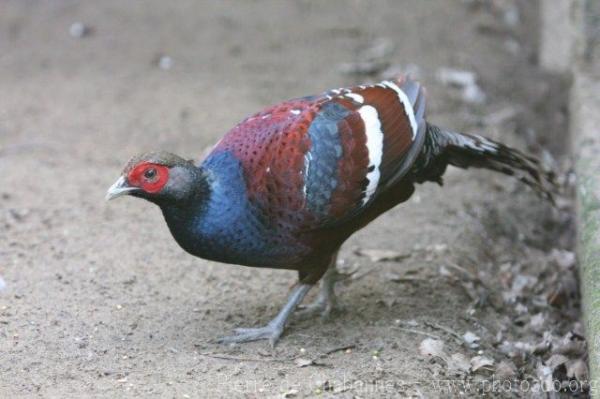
(382, 255)
(555, 361)
(432, 347)
(541, 347)
(537, 322)
(459, 362)
(521, 309)
(470, 289)
(465, 80)
(569, 346)
(505, 370)
(544, 374)
(577, 369)
(557, 295)
(564, 259)
(374, 59)
(479, 362)
(518, 348)
(444, 272)
(521, 282)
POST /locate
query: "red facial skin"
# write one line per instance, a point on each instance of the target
(140, 176)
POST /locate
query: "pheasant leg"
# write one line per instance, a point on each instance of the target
(273, 330)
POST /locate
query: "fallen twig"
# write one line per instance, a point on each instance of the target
(418, 332)
(243, 359)
(465, 272)
(445, 329)
(339, 349)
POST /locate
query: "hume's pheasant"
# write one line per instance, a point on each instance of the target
(288, 185)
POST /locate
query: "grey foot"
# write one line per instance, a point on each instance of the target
(274, 329)
(270, 332)
(322, 307)
(326, 303)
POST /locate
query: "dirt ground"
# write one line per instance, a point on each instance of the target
(101, 302)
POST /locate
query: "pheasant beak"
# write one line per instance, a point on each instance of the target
(121, 187)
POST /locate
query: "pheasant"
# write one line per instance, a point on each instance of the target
(287, 186)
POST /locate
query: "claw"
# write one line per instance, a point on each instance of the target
(274, 329)
(270, 332)
(326, 303)
(325, 309)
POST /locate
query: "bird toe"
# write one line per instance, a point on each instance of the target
(272, 333)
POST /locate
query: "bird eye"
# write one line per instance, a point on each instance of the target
(150, 173)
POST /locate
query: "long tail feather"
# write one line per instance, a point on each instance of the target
(444, 147)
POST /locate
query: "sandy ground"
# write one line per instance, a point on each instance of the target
(101, 302)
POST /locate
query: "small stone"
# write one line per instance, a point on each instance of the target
(291, 393)
(300, 362)
(471, 340)
(165, 62)
(78, 30)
